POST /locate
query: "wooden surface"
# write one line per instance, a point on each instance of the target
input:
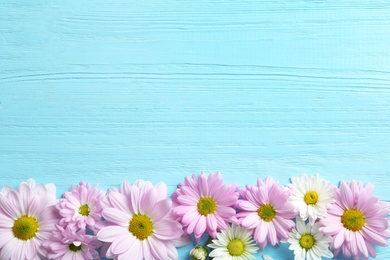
(103, 91)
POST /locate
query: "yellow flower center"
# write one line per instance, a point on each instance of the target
(84, 210)
(266, 212)
(74, 248)
(307, 241)
(353, 219)
(206, 205)
(141, 226)
(311, 197)
(236, 247)
(25, 227)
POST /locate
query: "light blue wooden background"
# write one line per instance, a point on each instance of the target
(103, 91)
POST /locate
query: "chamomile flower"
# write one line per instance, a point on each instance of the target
(81, 207)
(205, 204)
(308, 242)
(235, 242)
(357, 221)
(27, 218)
(66, 243)
(140, 224)
(311, 196)
(266, 211)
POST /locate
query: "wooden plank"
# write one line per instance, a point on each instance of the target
(104, 92)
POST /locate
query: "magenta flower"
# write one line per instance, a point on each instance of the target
(81, 207)
(140, 223)
(205, 204)
(27, 218)
(70, 244)
(357, 221)
(267, 211)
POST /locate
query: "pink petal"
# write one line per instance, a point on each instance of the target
(161, 188)
(251, 221)
(225, 212)
(161, 209)
(246, 205)
(272, 234)
(119, 246)
(110, 233)
(260, 233)
(192, 225)
(7, 250)
(203, 188)
(134, 252)
(373, 236)
(172, 252)
(148, 200)
(157, 248)
(146, 251)
(167, 229)
(201, 226)
(211, 222)
(135, 198)
(5, 236)
(189, 217)
(117, 217)
(346, 195)
(361, 244)
(119, 201)
(339, 239)
(187, 200)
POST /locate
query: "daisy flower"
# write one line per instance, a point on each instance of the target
(266, 210)
(205, 204)
(81, 207)
(308, 242)
(357, 221)
(70, 244)
(140, 223)
(311, 196)
(27, 217)
(233, 243)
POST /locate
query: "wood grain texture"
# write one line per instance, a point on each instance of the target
(105, 91)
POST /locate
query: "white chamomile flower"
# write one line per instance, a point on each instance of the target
(311, 196)
(233, 243)
(308, 242)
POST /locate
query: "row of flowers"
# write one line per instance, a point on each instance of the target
(139, 221)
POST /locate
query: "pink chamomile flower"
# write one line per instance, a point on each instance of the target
(205, 204)
(140, 223)
(81, 207)
(27, 218)
(357, 221)
(267, 211)
(67, 244)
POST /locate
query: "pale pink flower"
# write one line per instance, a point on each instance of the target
(67, 244)
(27, 218)
(140, 223)
(205, 204)
(81, 207)
(357, 221)
(267, 211)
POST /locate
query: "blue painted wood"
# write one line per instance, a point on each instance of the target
(105, 91)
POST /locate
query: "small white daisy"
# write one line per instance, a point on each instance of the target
(311, 196)
(308, 242)
(233, 243)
